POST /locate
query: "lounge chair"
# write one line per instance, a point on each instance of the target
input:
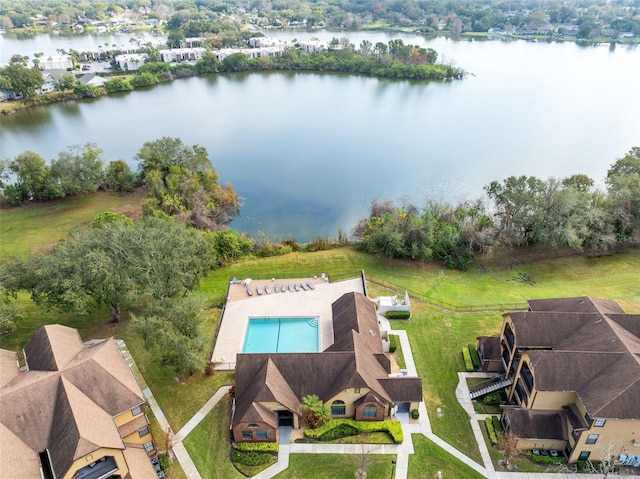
(297, 286)
(291, 287)
(266, 289)
(311, 286)
(249, 291)
(277, 288)
(259, 290)
(304, 286)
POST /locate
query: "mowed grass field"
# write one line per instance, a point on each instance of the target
(436, 346)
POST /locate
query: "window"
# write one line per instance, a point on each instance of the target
(253, 426)
(261, 434)
(370, 411)
(136, 410)
(247, 435)
(592, 438)
(148, 446)
(338, 408)
(599, 422)
(356, 390)
(144, 431)
(584, 455)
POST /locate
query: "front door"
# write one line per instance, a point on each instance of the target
(285, 419)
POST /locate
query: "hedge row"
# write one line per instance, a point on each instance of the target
(398, 314)
(393, 428)
(253, 458)
(540, 459)
(393, 343)
(475, 358)
(497, 426)
(468, 365)
(491, 431)
(257, 446)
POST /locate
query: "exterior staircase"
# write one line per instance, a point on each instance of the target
(491, 386)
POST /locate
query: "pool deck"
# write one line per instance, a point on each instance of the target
(240, 306)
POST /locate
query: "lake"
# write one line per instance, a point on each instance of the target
(308, 152)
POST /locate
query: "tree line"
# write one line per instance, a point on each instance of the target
(520, 211)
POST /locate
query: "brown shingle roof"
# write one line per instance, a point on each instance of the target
(74, 397)
(16, 456)
(51, 347)
(537, 424)
(354, 360)
(594, 352)
(8, 366)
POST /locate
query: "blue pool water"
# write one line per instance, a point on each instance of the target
(282, 335)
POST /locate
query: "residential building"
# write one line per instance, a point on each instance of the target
(352, 377)
(91, 79)
(180, 55)
(73, 411)
(131, 61)
(575, 364)
(56, 62)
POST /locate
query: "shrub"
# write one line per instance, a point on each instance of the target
(117, 84)
(490, 431)
(497, 426)
(467, 359)
(393, 343)
(252, 458)
(540, 459)
(475, 358)
(342, 430)
(393, 428)
(398, 314)
(492, 399)
(415, 414)
(257, 447)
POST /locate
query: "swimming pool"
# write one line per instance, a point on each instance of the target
(282, 335)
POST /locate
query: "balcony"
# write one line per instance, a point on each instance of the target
(101, 469)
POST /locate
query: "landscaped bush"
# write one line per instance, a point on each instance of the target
(497, 426)
(415, 414)
(393, 343)
(475, 358)
(252, 458)
(540, 459)
(492, 399)
(393, 428)
(398, 314)
(490, 431)
(468, 365)
(342, 430)
(257, 446)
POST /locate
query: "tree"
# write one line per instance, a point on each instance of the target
(66, 82)
(172, 329)
(32, 174)
(20, 79)
(183, 183)
(78, 170)
(316, 413)
(623, 199)
(119, 177)
(112, 262)
(10, 312)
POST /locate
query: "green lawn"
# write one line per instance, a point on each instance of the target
(336, 466)
(208, 444)
(31, 228)
(428, 458)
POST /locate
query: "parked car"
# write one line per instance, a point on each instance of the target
(86, 67)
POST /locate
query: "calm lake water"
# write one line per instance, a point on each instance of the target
(308, 152)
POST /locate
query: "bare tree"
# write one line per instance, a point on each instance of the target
(364, 460)
(508, 445)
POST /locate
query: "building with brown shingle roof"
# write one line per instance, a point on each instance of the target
(75, 411)
(575, 364)
(351, 377)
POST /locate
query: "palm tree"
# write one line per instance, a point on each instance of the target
(316, 412)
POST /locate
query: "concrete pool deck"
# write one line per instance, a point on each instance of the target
(240, 306)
